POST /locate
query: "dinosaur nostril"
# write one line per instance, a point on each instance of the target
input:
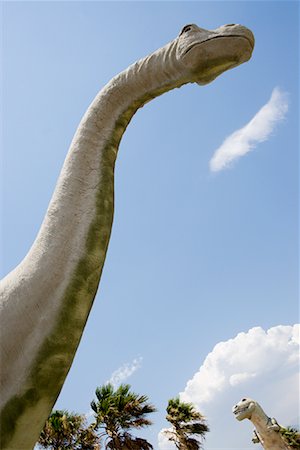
(230, 25)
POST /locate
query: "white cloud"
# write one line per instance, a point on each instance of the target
(257, 130)
(125, 371)
(163, 442)
(260, 364)
(238, 378)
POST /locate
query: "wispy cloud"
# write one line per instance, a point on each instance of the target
(259, 364)
(120, 375)
(257, 130)
(125, 371)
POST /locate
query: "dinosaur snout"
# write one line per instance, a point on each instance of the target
(234, 408)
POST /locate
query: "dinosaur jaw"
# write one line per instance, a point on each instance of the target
(242, 414)
(206, 54)
(211, 58)
(243, 409)
(247, 37)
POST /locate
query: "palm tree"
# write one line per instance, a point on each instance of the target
(188, 425)
(291, 436)
(116, 412)
(64, 430)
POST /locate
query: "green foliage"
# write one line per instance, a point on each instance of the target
(64, 430)
(291, 436)
(117, 411)
(188, 425)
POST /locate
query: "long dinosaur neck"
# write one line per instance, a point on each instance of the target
(63, 268)
(91, 158)
(270, 439)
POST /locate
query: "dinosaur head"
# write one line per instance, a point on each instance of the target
(206, 54)
(244, 409)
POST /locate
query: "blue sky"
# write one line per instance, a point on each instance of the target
(196, 256)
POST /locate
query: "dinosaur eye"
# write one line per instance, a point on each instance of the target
(185, 29)
(244, 400)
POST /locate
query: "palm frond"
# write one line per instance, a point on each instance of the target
(69, 431)
(119, 410)
(188, 425)
(291, 436)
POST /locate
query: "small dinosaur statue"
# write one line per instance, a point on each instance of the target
(267, 430)
(46, 300)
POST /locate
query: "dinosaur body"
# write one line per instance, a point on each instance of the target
(267, 430)
(46, 300)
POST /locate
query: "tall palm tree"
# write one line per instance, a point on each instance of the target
(64, 430)
(188, 425)
(119, 410)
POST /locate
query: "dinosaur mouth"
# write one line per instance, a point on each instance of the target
(240, 410)
(250, 41)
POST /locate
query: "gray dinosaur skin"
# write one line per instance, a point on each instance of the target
(266, 429)
(46, 300)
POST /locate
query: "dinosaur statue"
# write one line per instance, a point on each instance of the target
(267, 430)
(46, 299)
